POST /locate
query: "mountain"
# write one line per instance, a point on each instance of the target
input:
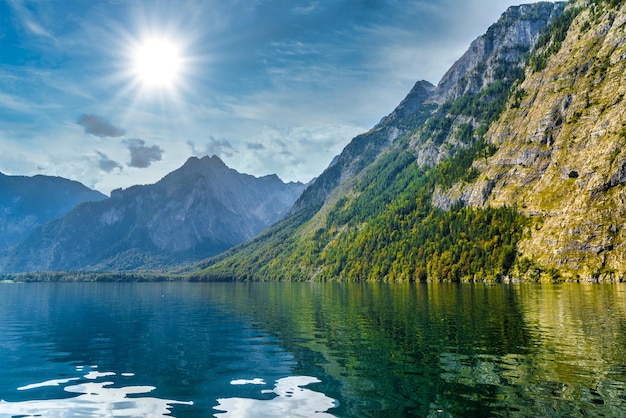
(494, 59)
(507, 41)
(561, 156)
(364, 149)
(194, 212)
(511, 168)
(28, 202)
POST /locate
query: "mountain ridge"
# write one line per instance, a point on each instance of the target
(200, 209)
(27, 202)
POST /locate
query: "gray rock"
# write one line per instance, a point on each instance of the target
(510, 39)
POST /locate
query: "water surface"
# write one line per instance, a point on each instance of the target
(312, 349)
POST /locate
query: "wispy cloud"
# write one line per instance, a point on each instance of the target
(98, 126)
(294, 153)
(255, 146)
(214, 146)
(28, 21)
(306, 9)
(14, 103)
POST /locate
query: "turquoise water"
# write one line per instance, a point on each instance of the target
(311, 349)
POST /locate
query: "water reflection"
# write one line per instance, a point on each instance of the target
(169, 334)
(449, 349)
(372, 350)
(96, 399)
(291, 400)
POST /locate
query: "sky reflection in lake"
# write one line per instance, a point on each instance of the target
(292, 400)
(96, 399)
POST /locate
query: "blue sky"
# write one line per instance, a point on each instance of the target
(270, 86)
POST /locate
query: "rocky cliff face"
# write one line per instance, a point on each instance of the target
(561, 155)
(28, 202)
(490, 58)
(196, 211)
(467, 93)
(507, 41)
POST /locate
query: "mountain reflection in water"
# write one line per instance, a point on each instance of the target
(313, 349)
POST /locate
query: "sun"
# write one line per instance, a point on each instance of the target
(157, 63)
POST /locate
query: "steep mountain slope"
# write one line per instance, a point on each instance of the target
(196, 211)
(365, 148)
(27, 202)
(507, 41)
(379, 222)
(561, 151)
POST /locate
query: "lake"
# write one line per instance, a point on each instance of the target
(312, 350)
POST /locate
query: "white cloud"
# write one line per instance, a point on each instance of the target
(213, 146)
(293, 153)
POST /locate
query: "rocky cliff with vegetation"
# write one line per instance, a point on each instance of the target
(561, 155)
(442, 200)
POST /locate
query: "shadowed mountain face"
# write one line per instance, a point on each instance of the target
(28, 202)
(196, 211)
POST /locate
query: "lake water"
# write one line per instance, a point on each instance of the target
(312, 350)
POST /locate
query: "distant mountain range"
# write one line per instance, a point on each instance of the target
(29, 202)
(199, 210)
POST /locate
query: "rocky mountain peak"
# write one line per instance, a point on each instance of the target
(421, 91)
(508, 40)
(203, 163)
